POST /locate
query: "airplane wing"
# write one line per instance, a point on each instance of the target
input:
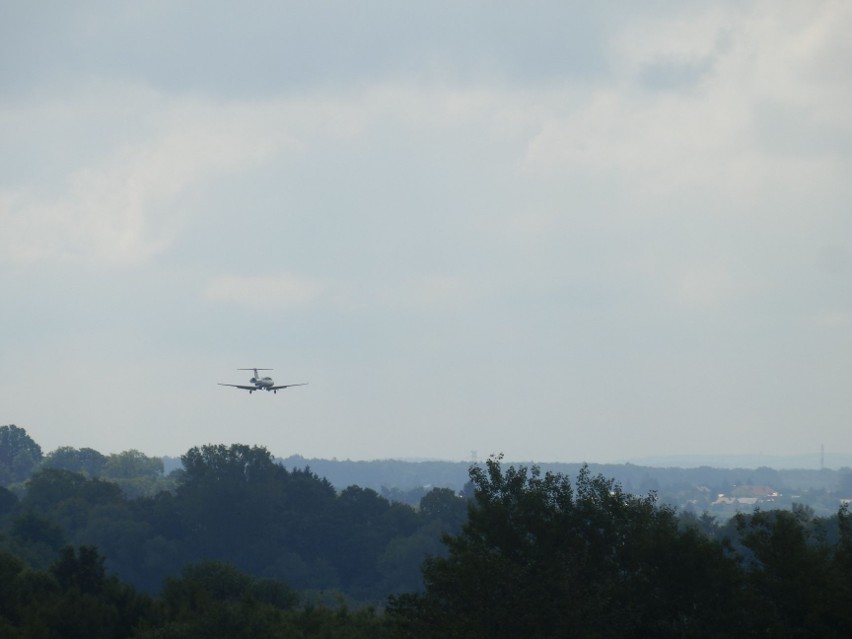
(286, 386)
(238, 386)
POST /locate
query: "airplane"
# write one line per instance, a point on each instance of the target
(261, 383)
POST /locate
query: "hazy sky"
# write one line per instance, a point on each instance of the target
(563, 231)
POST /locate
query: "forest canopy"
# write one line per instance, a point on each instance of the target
(238, 545)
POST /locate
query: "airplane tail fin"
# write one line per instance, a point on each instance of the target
(256, 376)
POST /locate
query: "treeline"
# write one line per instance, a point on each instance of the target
(242, 546)
(542, 557)
(75, 598)
(693, 489)
(234, 504)
(134, 472)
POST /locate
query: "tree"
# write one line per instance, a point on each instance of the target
(86, 461)
(220, 464)
(444, 506)
(540, 557)
(34, 538)
(74, 598)
(213, 599)
(228, 495)
(131, 464)
(838, 583)
(363, 513)
(137, 474)
(88, 511)
(8, 501)
(206, 581)
(68, 494)
(82, 569)
(798, 585)
(19, 455)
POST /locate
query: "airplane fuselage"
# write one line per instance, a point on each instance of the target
(261, 383)
(264, 383)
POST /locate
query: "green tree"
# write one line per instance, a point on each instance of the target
(214, 599)
(228, 499)
(19, 455)
(73, 599)
(31, 528)
(540, 557)
(237, 505)
(792, 575)
(362, 512)
(86, 461)
(131, 464)
(445, 506)
(220, 464)
(8, 501)
(33, 538)
(838, 582)
(82, 569)
(69, 496)
(400, 563)
(135, 473)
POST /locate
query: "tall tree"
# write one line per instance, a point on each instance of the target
(233, 502)
(792, 575)
(86, 461)
(19, 455)
(540, 557)
(8, 501)
(137, 474)
(131, 464)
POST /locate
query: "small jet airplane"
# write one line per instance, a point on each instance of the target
(261, 383)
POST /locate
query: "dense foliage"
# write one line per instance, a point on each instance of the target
(721, 492)
(19, 454)
(240, 546)
(232, 504)
(540, 557)
(74, 598)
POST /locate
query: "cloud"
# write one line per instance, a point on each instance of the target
(125, 204)
(281, 48)
(710, 285)
(428, 293)
(604, 202)
(833, 320)
(724, 68)
(264, 292)
(420, 294)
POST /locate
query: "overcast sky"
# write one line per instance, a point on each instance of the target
(562, 231)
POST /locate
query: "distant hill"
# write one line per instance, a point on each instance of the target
(808, 461)
(697, 483)
(638, 478)
(639, 475)
(385, 473)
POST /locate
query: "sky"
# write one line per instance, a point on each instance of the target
(561, 231)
